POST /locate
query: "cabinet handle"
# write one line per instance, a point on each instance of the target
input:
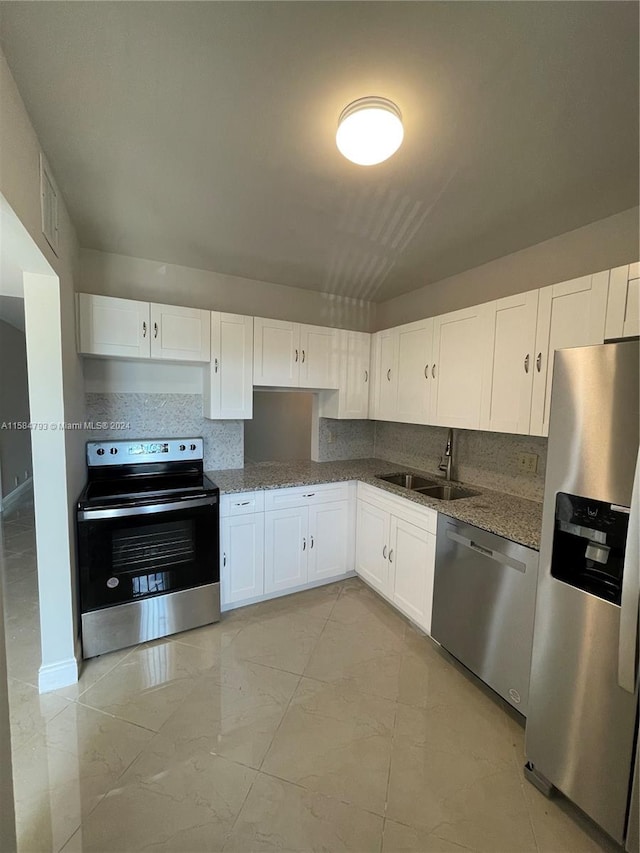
(144, 329)
(433, 371)
(304, 544)
(384, 552)
(366, 376)
(389, 375)
(526, 363)
(215, 362)
(296, 356)
(391, 556)
(242, 503)
(303, 356)
(224, 559)
(310, 495)
(155, 330)
(539, 362)
(426, 371)
(312, 542)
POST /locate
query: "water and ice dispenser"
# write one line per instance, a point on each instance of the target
(588, 545)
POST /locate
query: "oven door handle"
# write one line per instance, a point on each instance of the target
(149, 509)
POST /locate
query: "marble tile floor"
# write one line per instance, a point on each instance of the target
(318, 722)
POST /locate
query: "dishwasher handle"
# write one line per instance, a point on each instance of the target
(498, 556)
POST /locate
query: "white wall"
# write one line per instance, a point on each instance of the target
(137, 278)
(15, 443)
(55, 384)
(599, 246)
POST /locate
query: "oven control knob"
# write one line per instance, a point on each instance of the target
(113, 451)
(192, 447)
(112, 583)
(183, 447)
(100, 451)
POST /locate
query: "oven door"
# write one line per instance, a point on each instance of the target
(129, 553)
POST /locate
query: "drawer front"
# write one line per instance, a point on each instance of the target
(305, 495)
(241, 504)
(422, 516)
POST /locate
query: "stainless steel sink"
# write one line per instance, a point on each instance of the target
(408, 481)
(445, 492)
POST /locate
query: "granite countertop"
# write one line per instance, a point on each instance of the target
(506, 515)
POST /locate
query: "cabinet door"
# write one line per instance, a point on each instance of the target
(318, 357)
(228, 389)
(242, 557)
(570, 314)
(412, 565)
(276, 353)
(623, 303)
(415, 341)
(386, 375)
(286, 548)
(372, 546)
(328, 540)
(514, 343)
(461, 367)
(115, 327)
(351, 401)
(180, 334)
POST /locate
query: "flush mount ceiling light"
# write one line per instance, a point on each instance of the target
(369, 131)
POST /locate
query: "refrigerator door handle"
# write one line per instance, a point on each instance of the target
(629, 605)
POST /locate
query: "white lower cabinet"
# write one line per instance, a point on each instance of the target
(412, 557)
(330, 537)
(242, 558)
(395, 552)
(285, 548)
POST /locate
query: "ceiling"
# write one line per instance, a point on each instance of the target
(202, 133)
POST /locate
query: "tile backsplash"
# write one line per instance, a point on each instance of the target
(339, 440)
(485, 458)
(167, 416)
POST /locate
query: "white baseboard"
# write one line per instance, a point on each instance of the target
(7, 500)
(55, 675)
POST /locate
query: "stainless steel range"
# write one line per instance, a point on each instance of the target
(148, 542)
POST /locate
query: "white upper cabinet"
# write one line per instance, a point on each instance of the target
(351, 401)
(113, 327)
(385, 375)
(414, 347)
(570, 314)
(318, 357)
(461, 367)
(228, 379)
(514, 339)
(276, 353)
(180, 334)
(623, 304)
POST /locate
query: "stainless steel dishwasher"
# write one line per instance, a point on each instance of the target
(484, 605)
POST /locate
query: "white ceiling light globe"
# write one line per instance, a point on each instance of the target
(369, 131)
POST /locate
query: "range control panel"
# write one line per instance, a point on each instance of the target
(100, 453)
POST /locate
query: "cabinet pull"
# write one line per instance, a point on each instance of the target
(312, 542)
(155, 330)
(389, 375)
(215, 362)
(144, 329)
(539, 362)
(526, 363)
(391, 556)
(303, 356)
(384, 552)
(426, 371)
(304, 544)
(243, 503)
(224, 559)
(296, 356)
(309, 495)
(433, 371)
(366, 376)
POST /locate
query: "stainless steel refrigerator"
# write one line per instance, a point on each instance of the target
(582, 722)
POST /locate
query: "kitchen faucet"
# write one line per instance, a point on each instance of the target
(447, 465)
